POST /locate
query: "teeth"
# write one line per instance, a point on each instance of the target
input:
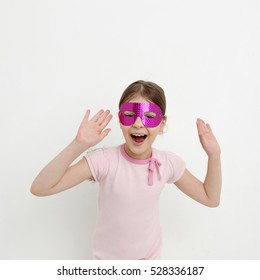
(138, 135)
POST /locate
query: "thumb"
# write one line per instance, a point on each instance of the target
(105, 133)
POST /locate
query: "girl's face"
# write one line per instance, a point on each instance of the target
(139, 138)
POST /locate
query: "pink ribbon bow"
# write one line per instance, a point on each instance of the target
(153, 163)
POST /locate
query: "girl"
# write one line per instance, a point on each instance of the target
(131, 176)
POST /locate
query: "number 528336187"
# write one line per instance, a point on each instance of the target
(177, 270)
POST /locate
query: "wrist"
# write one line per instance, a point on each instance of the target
(79, 147)
(214, 157)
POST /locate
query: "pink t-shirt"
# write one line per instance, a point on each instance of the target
(128, 225)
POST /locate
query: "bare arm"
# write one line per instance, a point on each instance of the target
(59, 175)
(207, 192)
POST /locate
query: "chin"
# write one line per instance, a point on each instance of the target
(142, 151)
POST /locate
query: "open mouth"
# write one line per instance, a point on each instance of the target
(138, 138)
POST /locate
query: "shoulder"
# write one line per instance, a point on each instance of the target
(102, 152)
(102, 161)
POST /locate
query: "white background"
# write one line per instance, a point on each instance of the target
(58, 58)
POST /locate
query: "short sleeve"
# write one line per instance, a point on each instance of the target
(176, 167)
(98, 164)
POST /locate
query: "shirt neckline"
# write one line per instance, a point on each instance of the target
(133, 160)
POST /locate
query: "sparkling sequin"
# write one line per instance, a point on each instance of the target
(129, 112)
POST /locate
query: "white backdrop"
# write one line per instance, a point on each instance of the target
(60, 57)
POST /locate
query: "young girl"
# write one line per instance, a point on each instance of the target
(132, 175)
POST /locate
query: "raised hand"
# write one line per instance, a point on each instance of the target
(94, 130)
(207, 139)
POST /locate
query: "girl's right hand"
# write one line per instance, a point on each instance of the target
(93, 131)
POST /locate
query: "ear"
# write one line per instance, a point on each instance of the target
(162, 124)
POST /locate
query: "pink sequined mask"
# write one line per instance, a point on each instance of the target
(150, 114)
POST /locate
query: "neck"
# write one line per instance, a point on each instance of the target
(139, 155)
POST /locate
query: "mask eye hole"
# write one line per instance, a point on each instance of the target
(129, 113)
(150, 115)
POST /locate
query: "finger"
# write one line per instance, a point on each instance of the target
(97, 115)
(106, 121)
(209, 128)
(86, 116)
(204, 127)
(103, 117)
(105, 133)
(200, 126)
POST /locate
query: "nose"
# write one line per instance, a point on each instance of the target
(138, 123)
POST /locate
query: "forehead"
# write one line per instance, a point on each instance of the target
(138, 99)
(141, 104)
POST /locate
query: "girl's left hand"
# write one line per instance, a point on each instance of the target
(207, 139)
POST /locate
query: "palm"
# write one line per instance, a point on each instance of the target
(93, 131)
(207, 138)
